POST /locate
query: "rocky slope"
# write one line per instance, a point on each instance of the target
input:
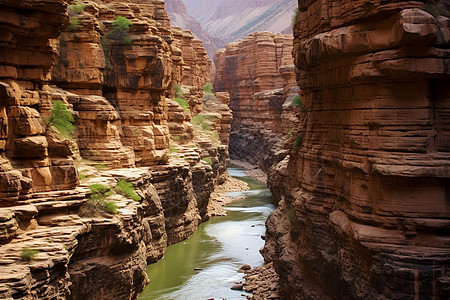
(364, 196)
(257, 72)
(66, 219)
(232, 21)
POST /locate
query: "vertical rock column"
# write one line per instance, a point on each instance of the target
(79, 69)
(136, 82)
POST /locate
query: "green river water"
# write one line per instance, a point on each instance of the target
(206, 265)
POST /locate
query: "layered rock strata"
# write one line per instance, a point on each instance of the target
(192, 66)
(58, 237)
(363, 197)
(258, 74)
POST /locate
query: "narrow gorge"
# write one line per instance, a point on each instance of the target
(112, 144)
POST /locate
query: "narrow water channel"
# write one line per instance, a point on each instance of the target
(206, 265)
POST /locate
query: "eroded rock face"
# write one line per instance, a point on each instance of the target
(31, 158)
(258, 74)
(116, 91)
(365, 194)
(192, 66)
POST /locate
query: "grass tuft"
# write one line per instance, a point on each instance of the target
(208, 89)
(127, 189)
(207, 160)
(28, 254)
(297, 101)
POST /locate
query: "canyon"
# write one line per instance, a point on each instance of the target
(348, 118)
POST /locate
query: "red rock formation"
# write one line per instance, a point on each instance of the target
(259, 76)
(116, 101)
(364, 197)
(192, 69)
(250, 66)
(27, 164)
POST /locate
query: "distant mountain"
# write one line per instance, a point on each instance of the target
(232, 20)
(180, 17)
(217, 22)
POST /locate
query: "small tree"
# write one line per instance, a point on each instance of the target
(121, 27)
(61, 118)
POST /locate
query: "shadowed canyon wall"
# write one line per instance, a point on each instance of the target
(363, 198)
(57, 236)
(258, 73)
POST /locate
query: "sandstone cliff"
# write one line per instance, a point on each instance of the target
(258, 73)
(100, 206)
(364, 195)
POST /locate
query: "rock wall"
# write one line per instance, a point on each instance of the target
(192, 68)
(258, 74)
(57, 236)
(363, 197)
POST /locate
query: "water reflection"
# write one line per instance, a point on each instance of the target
(206, 265)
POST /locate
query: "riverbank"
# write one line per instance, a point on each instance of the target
(220, 196)
(207, 265)
(262, 281)
(251, 170)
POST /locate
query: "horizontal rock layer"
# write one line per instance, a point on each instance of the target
(258, 74)
(58, 240)
(364, 198)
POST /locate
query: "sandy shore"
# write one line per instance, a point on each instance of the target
(251, 170)
(219, 198)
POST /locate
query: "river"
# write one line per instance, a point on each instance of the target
(207, 264)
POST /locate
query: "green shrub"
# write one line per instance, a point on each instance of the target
(207, 160)
(101, 166)
(298, 141)
(200, 122)
(76, 8)
(98, 188)
(178, 92)
(74, 24)
(216, 135)
(208, 89)
(121, 26)
(61, 118)
(173, 150)
(81, 176)
(97, 202)
(110, 207)
(183, 103)
(297, 101)
(206, 126)
(175, 138)
(121, 23)
(127, 189)
(28, 254)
